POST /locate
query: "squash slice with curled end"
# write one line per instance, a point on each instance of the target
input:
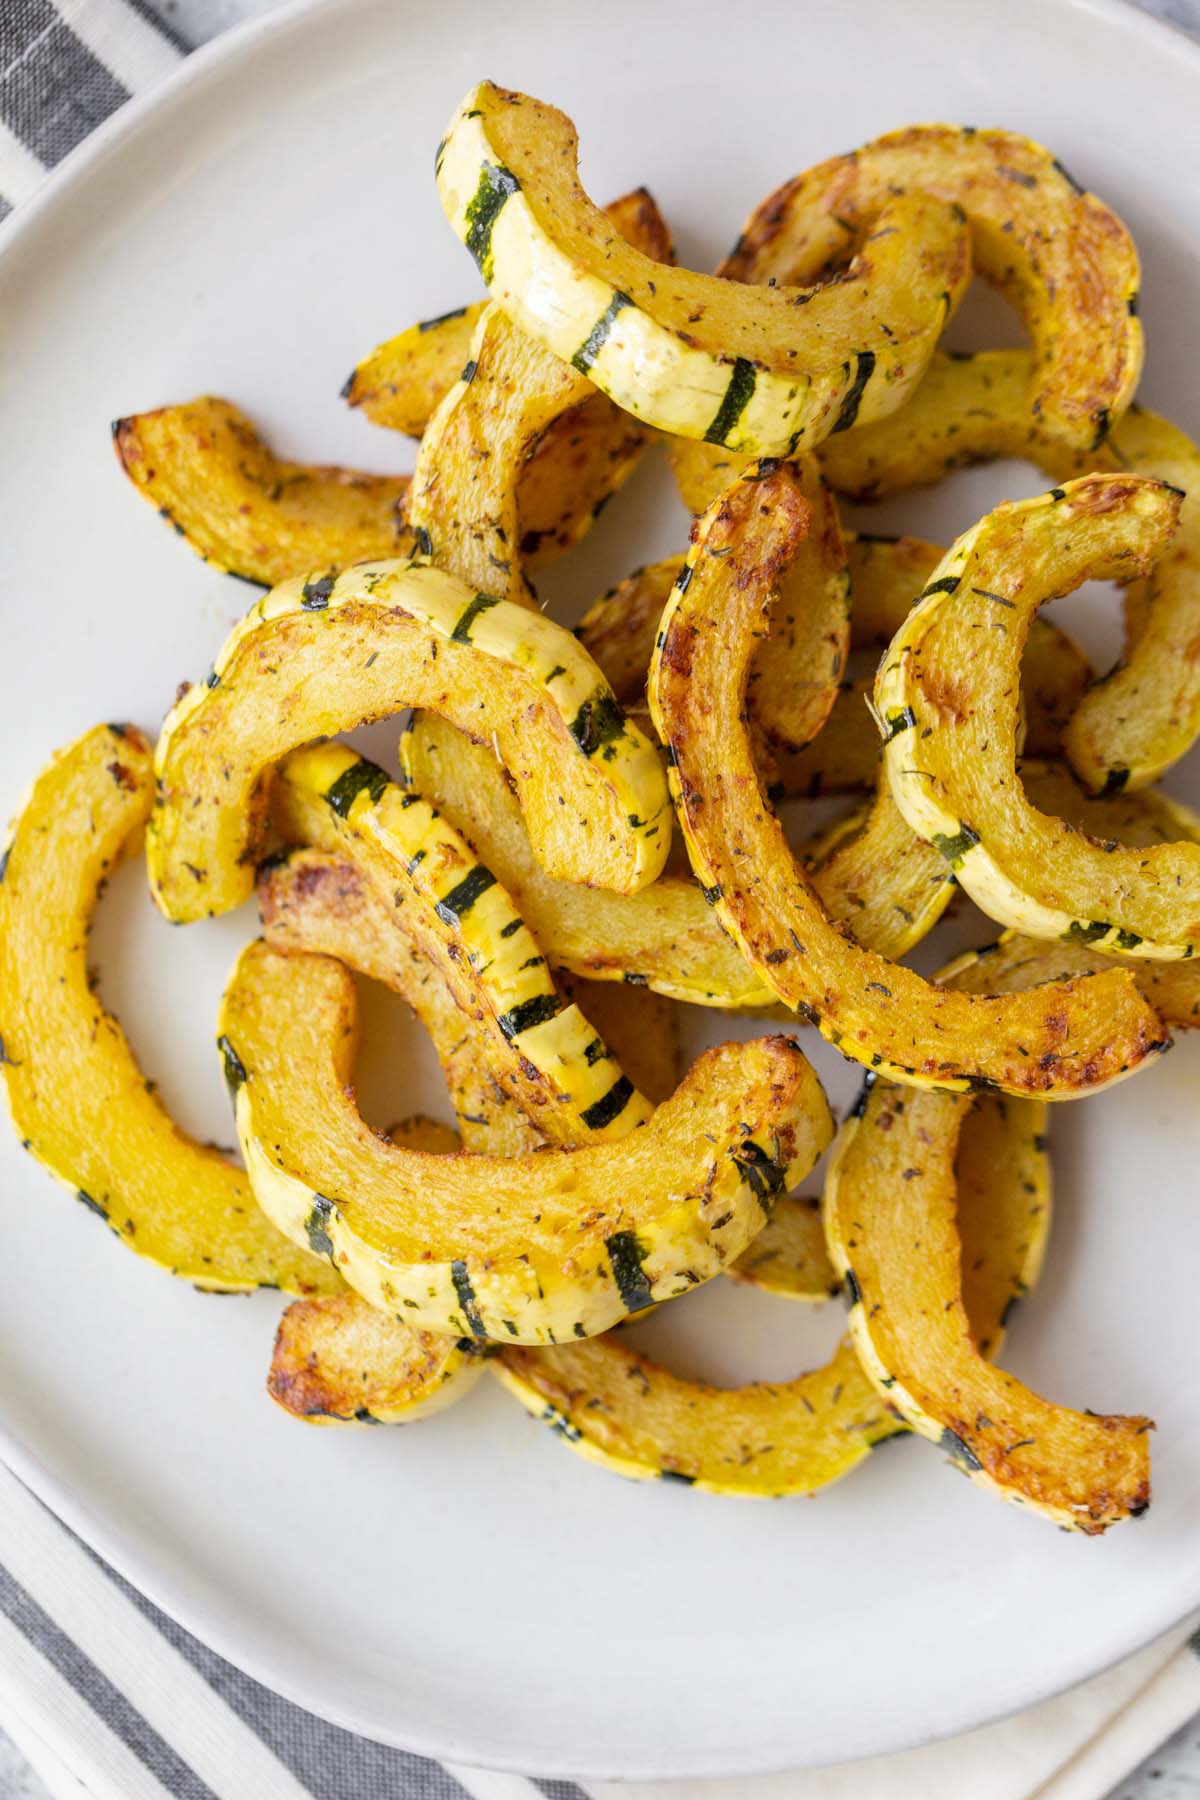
(206, 469)
(317, 657)
(537, 1248)
(1145, 713)
(890, 1224)
(522, 452)
(316, 902)
(665, 937)
(1058, 253)
(328, 1357)
(1059, 1041)
(946, 699)
(464, 922)
(889, 886)
(78, 1100)
(768, 370)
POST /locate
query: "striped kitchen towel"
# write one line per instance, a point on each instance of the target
(109, 1699)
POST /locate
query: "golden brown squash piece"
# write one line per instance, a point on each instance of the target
(946, 696)
(316, 657)
(538, 1248)
(330, 1358)
(1058, 253)
(890, 1224)
(1014, 963)
(1059, 1041)
(209, 473)
(1145, 713)
(78, 1100)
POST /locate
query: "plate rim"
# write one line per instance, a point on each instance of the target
(103, 1535)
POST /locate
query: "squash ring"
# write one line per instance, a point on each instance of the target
(319, 656)
(767, 372)
(1060, 1042)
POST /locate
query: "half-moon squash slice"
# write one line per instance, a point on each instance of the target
(321, 655)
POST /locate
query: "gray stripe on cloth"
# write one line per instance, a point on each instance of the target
(333, 1764)
(5, 207)
(53, 91)
(106, 1700)
(161, 24)
(560, 1790)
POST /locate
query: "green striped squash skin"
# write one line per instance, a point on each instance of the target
(745, 386)
(320, 655)
(528, 1249)
(456, 910)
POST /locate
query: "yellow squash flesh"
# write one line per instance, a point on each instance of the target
(535, 1248)
(317, 657)
(209, 474)
(1058, 1042)
(767, 370)
(946, 700)
(78, 1100)
(890, 1225)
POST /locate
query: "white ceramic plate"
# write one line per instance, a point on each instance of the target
(468, 1587)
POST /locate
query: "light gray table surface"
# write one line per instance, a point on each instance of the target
(1172, 1773)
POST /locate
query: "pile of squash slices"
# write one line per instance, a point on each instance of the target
(516, 881)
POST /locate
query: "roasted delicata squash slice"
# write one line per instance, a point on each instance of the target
(1014, 963)
(892, 1237)
(538, 1248)
(633, 1416)
(208, 472)
(1058, 253)
(402, 383)
(885, 573)
(1058, 1041)
(1145, 713)
(795, 679)
(946, 699)
(339, 1361)
(665, 937)
(465, 922)
(322, 655)
(78, 1100)
(788, 1257)
(768, 371)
